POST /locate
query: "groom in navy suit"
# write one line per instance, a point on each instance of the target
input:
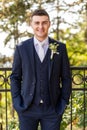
(40, 79)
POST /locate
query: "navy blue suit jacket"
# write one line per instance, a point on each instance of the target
(23, 76)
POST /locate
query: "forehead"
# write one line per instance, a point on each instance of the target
(40, 18)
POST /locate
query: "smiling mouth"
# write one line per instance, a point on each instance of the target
(40, 32)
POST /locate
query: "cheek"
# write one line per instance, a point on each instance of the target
(47, 28)
(34, 28)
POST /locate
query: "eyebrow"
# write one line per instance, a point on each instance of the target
(43, 21)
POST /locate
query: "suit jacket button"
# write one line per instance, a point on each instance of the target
(30, 94)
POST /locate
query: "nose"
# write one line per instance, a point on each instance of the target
(40, 25)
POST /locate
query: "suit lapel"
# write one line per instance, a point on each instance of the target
(30, 48)
(50, 63)
(31, 57)
(50, 60)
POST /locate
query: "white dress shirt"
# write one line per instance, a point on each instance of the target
(38, 44)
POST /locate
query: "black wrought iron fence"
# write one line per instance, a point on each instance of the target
(79, 98)
(75, 116)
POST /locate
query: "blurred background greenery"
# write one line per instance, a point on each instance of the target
(68, 25)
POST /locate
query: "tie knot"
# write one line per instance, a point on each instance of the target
(41, 44)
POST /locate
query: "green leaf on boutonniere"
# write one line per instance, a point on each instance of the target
(53, 48)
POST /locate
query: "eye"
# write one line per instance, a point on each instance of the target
(45, 22)
(36, 23)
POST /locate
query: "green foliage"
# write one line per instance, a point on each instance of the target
(13, 13)
(76, 47)
(13, 125)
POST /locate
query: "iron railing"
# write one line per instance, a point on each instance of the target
(77, 109)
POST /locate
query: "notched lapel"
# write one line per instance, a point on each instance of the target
(51, 60)
(50, 63)
(31, 56)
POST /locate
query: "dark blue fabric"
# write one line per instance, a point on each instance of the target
(61, 107)
(42, 80)
(23, 79)
(46, 116)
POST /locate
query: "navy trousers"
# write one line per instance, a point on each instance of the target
(43, 115)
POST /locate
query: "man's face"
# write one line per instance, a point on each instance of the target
(40, 26)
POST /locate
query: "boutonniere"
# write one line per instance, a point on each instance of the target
(53, 48)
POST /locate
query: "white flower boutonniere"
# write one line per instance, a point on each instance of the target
(53, 48)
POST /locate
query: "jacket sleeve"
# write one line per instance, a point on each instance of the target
(65, 81)
(65, 76)
(16, 79)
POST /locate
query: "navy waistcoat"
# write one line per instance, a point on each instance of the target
(42, 81)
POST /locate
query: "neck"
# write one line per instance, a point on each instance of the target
(40, 39)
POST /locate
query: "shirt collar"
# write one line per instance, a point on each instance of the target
(44, 42)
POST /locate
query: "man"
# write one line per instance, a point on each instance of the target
(40, 79)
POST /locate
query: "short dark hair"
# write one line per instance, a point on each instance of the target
(40, 12)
